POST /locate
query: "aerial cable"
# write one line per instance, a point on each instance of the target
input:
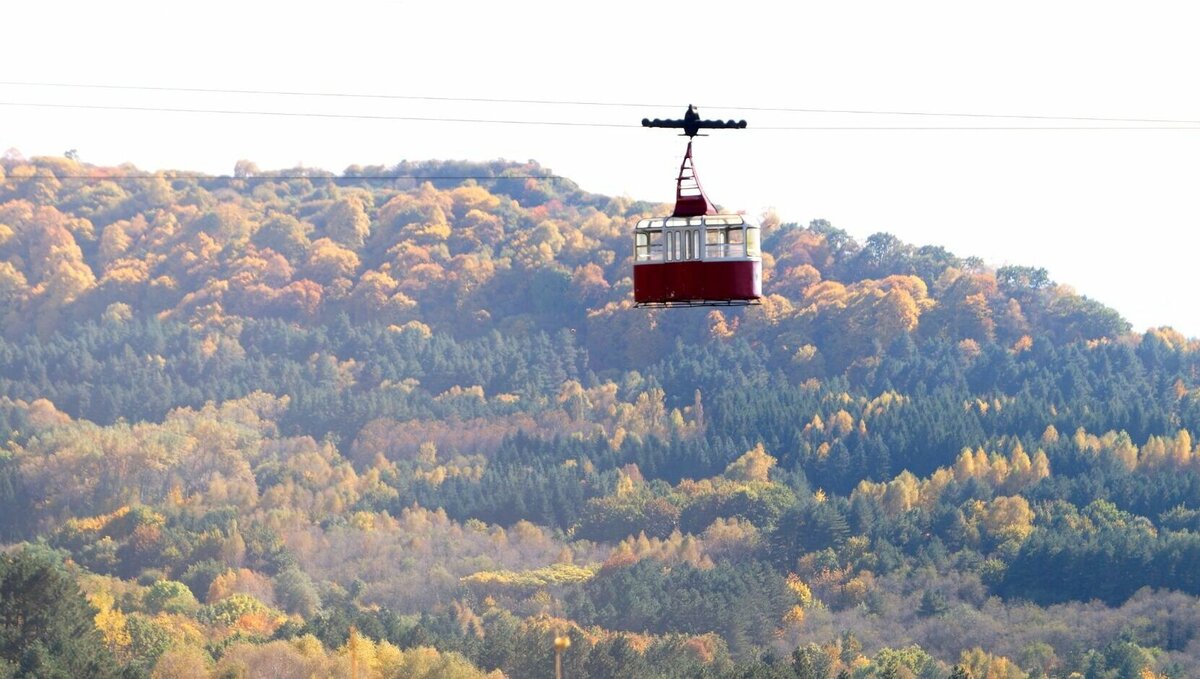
(992, 128)
(938, 114)
(304, 114)
(568, 123)
(553, 102)
(339, 95)
(167, 176)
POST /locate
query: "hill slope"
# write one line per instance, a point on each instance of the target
(427, 409)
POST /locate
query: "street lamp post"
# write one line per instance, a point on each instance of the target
(560, 644)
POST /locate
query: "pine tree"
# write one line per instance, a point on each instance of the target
(47, 627)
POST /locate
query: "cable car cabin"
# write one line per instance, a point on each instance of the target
(704, 260)
(697, 256)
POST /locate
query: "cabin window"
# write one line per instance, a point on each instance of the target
(689, 250)
(714, 243)
(682, 245)
(752, 245)
(676, 239)
(648, 246)
(722, 242)
(736, 246)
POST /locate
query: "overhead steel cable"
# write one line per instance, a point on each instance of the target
(570, 123)
(990, 128)
(500, 100)
(268, 177)
(937, 114)
(307, 114)
(337, 95)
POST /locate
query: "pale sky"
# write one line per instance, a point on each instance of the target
(1112, 213)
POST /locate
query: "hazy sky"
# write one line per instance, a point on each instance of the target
(1112, 212)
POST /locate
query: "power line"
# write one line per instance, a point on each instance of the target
(306, 114)
(206, 177)
(339, 95)
(567, 123)
(1001, 116)
(554, 102)
(990, 128)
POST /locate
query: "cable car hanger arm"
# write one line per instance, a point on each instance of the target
(691, 124)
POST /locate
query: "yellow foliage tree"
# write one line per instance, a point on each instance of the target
(1007, 518)
(182, 662)
(754, 465)
(112, 624)
(983, 665)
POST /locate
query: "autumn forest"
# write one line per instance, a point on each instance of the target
(405, 422)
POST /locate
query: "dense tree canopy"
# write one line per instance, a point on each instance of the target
(292, 422)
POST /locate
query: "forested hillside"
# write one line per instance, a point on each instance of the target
(406, 424)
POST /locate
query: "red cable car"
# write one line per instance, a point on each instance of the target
(697, 256)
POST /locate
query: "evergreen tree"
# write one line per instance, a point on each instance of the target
(46, 625)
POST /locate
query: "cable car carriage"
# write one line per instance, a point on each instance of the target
(697, 256)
